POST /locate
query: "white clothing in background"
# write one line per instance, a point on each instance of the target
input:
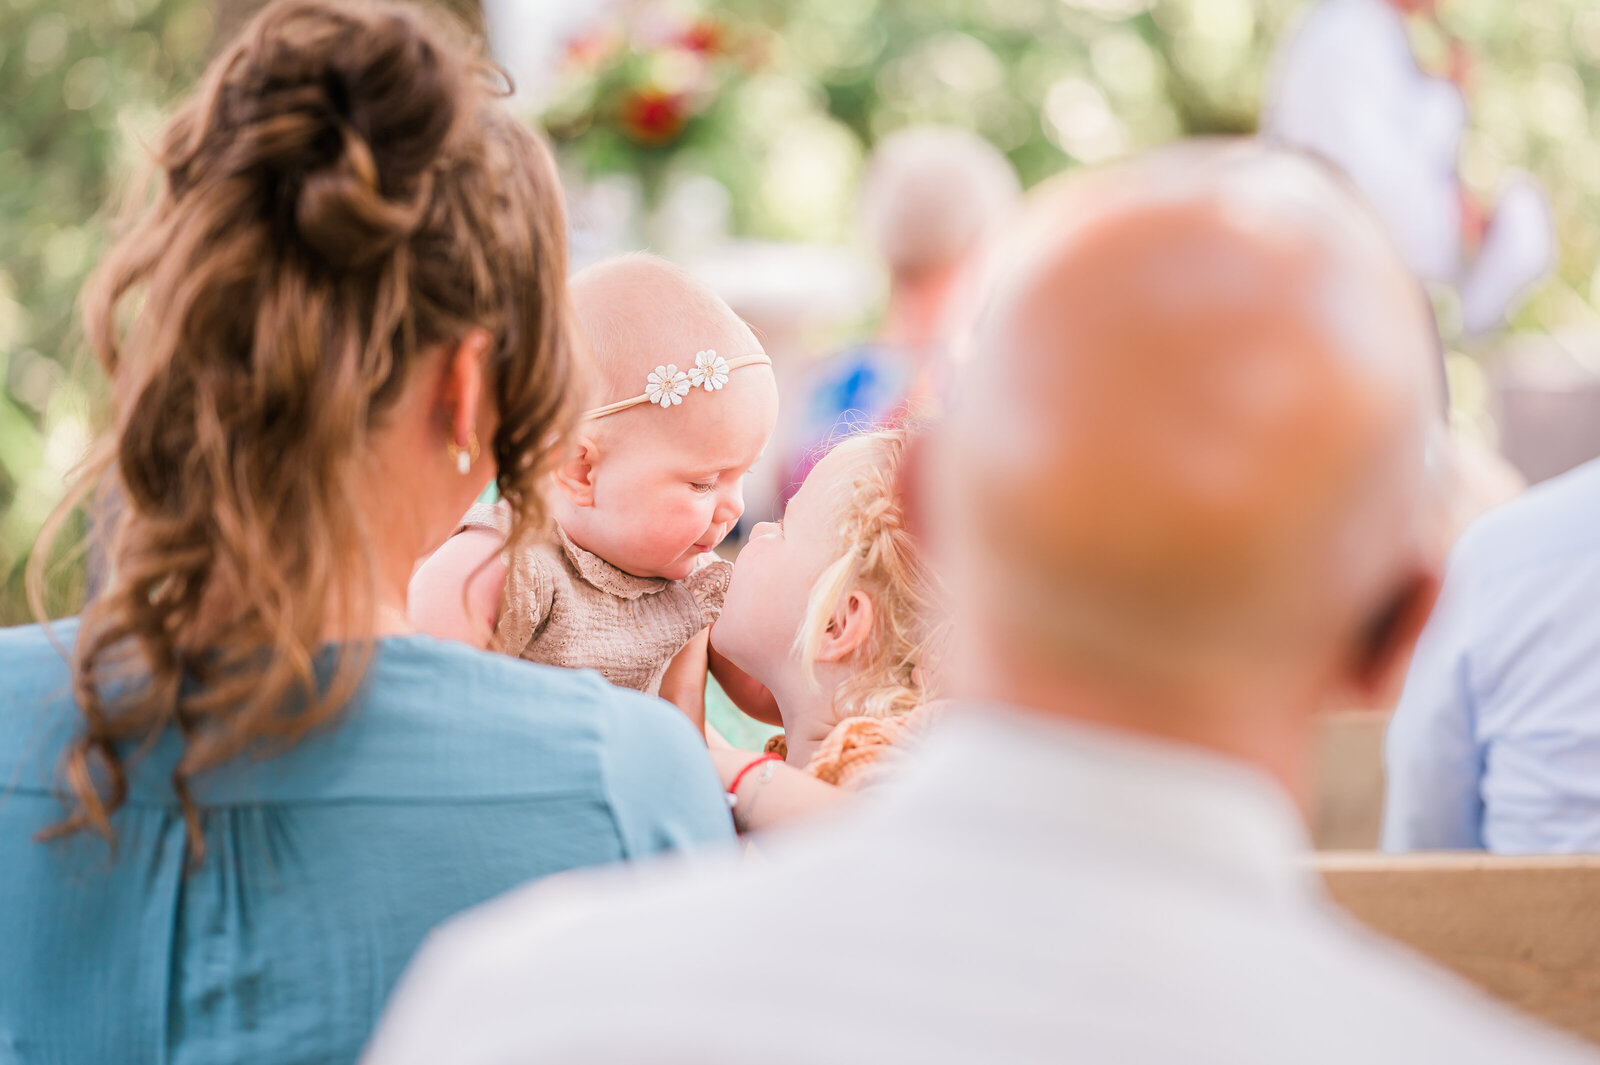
(1347, 86)
(1028, 891)
(1496, 742)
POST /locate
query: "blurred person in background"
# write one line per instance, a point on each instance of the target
(1184, 508)
(931, 199)
(1495, 744)
(239, 790)
(1347, 86)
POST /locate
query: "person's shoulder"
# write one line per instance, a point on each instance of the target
(1331, 21)
(636, 726)
(1550, 523)
(406, 664)
(37, 709)
(1355, 17)
(34, 662)
(697, 908)
(655, 934)
(443, 718)
(19, 641)
(500, 696)
(658, 778)
(499, 699)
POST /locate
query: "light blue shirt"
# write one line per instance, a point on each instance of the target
(455, 776)
(1496, 741)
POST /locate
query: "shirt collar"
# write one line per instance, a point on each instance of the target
(1108, 797)
(603, 575)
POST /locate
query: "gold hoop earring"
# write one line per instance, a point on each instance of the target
(464, 456)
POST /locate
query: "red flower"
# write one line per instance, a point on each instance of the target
(652, 117)
(705, 36)
(585, 52)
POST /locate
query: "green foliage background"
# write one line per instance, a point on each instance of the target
(1054, 82)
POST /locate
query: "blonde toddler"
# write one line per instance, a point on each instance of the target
(834, 612)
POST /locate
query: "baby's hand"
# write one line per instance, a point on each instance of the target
(743, 690)
(684, 683)
(473, 560)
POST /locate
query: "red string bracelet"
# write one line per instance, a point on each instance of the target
(733, 788)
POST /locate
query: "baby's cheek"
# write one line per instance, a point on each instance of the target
(681, 522)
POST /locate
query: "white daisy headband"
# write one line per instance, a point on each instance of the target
(665, 386)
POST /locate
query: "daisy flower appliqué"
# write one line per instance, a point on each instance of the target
(667, 385)
(710, 371)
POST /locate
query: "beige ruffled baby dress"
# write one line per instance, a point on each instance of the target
(564, 606)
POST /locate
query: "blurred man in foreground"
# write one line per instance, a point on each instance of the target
(1182, 506)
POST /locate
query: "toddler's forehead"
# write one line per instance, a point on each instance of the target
(828, 486)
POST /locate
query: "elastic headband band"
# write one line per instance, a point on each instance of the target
(667, 385)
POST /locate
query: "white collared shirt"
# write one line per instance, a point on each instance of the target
(1029, 891)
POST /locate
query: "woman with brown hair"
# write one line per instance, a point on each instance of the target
(343, 313)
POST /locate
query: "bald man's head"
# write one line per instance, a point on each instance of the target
(1194, 423)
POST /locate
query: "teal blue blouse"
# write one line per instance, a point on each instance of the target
(455, 776)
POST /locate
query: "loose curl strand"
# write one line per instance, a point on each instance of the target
(891, 672)
(345, 194)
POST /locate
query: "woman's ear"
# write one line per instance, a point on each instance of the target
(463, 386)
(848, 629)
(575, 475)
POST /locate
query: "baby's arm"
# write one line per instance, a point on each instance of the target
(684, 683)
(473, 560)
(747, 693)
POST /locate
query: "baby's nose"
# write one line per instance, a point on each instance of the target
(731, 506)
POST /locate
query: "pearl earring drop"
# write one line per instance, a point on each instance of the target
(464, 456)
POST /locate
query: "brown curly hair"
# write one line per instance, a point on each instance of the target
(345, 194)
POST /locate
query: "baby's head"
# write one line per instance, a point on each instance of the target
(654, 486)
(837, 588)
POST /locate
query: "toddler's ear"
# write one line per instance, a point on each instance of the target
(848, 629)
(576, 474)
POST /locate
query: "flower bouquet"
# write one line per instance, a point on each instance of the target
(645, 85)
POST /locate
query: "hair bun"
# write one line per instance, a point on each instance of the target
(355, 108)
(342, 214)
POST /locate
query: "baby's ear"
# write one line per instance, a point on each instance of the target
(576, 474)
(848, 629)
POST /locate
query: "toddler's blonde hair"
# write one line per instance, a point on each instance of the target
(878, 556)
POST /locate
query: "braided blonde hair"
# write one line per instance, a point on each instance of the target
(878, 556)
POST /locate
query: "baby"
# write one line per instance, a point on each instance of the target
(651, 487)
